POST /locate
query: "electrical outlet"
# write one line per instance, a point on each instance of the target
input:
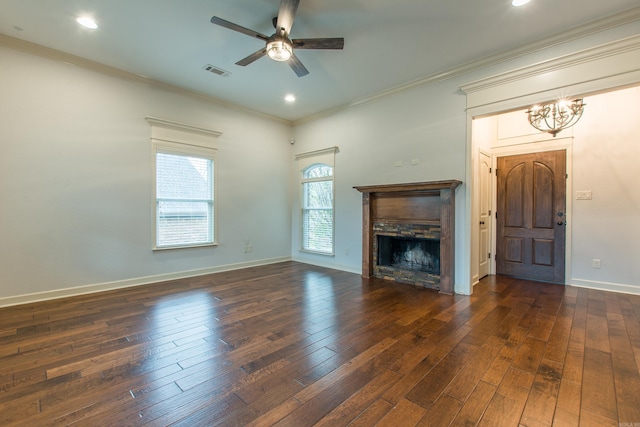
(415, 161)
(595, 263)
(398, 164)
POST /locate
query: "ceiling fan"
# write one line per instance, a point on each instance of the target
(279, 46)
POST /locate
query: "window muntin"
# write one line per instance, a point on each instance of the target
(317, 209)
(184, 205)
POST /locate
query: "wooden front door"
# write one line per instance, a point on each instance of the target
(530, 242)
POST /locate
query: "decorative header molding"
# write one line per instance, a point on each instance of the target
(163, 130)
(607, 66)
(330, 150)
(168, 124)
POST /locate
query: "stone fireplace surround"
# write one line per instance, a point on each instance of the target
(422, 210)
(414, 239)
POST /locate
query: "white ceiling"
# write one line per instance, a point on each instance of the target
(387, 43)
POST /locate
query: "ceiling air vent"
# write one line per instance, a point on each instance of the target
(215, 70)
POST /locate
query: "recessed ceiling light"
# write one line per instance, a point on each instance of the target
(289, 98)
(87, 22)
(519, 2)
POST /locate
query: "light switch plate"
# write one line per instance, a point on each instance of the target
(583, 195)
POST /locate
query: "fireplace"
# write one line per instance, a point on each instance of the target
(408, 233)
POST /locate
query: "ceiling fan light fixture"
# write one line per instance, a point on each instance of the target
(279, 50)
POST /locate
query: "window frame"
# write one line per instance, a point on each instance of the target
(306, 160)
(187, 150)
(303, 208)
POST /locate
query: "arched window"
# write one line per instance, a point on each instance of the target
(317, 208)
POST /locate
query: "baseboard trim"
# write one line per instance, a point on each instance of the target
(127, 283)
(475, 279)
(606, 286)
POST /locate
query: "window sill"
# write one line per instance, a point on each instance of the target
(171, 248)
(306, 251)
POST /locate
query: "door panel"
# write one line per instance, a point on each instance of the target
(543, 212)
(514, 188)
(484, 171)
(530, 242)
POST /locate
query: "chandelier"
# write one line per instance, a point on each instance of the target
(554, 117)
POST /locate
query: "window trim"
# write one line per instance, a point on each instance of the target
(179, 138)
(304, 181)
(177, 148)
(325, 157)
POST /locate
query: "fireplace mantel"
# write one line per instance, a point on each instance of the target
(422, 203)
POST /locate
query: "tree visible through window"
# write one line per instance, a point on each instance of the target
(317, 208)
(184, 200)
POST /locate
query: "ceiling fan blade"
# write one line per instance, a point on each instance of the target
(253, 57)
(297, 66)
(325, 43)
(286, 14)
(238, 28)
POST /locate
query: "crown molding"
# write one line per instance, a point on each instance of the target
(618, 47)
(593, 27)
(56, 55)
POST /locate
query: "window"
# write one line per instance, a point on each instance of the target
(317, 219)
(317, 209)
(184, 212)
(184, 164)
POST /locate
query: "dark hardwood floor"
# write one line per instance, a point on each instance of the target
(295, 345)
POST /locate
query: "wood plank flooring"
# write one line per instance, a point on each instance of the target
(296, 345)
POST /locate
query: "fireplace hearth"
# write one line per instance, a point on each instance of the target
(408, 233)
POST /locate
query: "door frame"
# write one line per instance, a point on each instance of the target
(555, 144)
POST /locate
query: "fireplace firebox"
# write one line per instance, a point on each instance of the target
(421, 255)
(408, 233)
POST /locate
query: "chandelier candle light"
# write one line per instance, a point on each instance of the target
(554, 117)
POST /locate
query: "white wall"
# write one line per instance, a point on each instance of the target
(75, 181)
(606, 151)
(371, 139)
